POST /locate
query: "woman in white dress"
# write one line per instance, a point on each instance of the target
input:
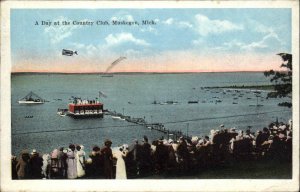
(80, 161)
(71, 162)
(120, 167)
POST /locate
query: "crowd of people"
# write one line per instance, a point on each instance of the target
(183, 156)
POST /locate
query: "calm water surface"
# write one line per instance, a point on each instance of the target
(134, 94)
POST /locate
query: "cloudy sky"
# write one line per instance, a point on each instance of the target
(182, 40)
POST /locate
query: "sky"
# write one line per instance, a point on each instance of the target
(181, 40)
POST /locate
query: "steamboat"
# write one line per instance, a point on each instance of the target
(85, 108)
(31, 98)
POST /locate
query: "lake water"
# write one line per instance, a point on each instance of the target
(134, 94)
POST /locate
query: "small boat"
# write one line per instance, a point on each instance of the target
(116, 117)
(172, 102)
(234, 103)
(192, 102)
(256, 105)
(169, 103)
(31, 98)
(61, 113)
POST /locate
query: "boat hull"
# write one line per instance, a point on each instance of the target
(85, 115)
(30, 102)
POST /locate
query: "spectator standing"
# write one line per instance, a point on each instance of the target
(107, 159)
(36, 163)
(80, 161)
(146, 159)
(71, 162)
(23, 166)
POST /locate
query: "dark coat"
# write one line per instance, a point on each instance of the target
(108, 162)
(23, 166)
(36, 163)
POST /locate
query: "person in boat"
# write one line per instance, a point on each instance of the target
(71, 162)
(107, 159)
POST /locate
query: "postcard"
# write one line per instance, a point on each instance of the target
(150, 96)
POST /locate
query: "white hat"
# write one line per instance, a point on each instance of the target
(200, 141)
(125, 146)
(81, 147)
(194, 139)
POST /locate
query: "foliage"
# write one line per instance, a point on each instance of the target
(282, 80)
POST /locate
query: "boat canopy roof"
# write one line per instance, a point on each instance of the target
(88, 105)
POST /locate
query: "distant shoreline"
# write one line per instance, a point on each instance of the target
(125, 73)
(258, 87)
